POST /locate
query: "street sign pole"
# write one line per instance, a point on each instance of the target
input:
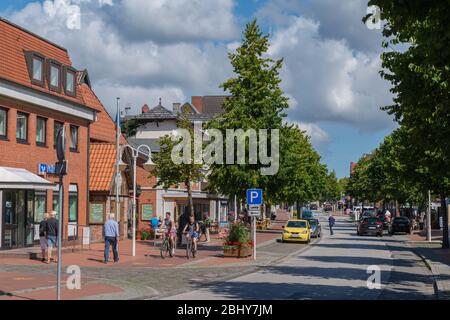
(254, 237)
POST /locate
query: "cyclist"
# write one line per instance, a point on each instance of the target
(169, 230)
(191, 230)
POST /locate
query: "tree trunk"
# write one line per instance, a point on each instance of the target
(397, 211)
(445, 242)
(298, 209)
(191, 202)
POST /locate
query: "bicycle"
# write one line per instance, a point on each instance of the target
(166, 248)
(190, 250)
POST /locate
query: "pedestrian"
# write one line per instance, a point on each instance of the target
(111, 236)
(42, 237)
(51, 235)
(331, 222)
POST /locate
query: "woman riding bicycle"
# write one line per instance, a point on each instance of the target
(169, 230)
(191, 230)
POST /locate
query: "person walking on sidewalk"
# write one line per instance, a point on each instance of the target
(51, 234)
(331, 222)
(42, 238)
(111, 235)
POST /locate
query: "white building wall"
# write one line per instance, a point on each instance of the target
(153, 130)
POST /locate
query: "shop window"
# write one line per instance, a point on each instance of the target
(55, 203)
(22, 127)
(40, 206)
(73, 138)
(73, 206)
(3, 123)
(41, 131)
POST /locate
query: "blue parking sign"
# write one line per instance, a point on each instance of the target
(254, 196)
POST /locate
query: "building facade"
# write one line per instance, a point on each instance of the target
(40, 92)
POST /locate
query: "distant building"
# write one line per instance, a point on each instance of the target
(156, 122)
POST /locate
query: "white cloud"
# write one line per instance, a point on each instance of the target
(176, 20)
(319, 137)
(329, 81)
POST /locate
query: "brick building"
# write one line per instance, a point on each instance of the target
(40, 91)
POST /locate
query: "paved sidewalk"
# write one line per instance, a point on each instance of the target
(146, 275)
(438, 260)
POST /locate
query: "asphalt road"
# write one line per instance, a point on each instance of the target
(334, 268)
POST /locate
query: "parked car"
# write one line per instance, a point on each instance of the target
(307, 215)
(367, 214)
(316, 228)
(328, 207)
(400, 224)
(296, 231)
(370, 226)
(313, 206)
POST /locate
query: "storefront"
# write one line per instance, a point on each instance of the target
(23, 198)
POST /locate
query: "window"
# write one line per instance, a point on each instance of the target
(56, 128)
(38, 64)
(73, 138)
(55, 77)
(55, 203)
(41, 131)
(22, 127)
(69, 83)
(3, 123)
(40, 204)
(73, 206)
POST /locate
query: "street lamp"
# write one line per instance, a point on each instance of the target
(149, 166)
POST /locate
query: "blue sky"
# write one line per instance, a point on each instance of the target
(178, 48)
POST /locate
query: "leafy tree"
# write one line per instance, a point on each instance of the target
(256, 102)
(301, 177)
(420, 77)
(171, 174)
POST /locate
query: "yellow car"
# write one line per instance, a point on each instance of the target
(297, 230)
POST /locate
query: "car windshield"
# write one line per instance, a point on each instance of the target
(403, 219)
(313, 222)
(296, 224)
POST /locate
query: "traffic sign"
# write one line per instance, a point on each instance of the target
(254, 196)
(254, 210)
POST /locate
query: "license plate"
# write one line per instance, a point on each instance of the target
(372, 228)
(295, 236)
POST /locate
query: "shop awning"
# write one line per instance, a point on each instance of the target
(15, 178)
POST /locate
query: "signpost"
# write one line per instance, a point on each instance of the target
(254, 202)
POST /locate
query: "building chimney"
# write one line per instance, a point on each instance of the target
(145, 108)
(197, 102)
(176, 108)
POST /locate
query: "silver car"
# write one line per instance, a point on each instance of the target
(316, 228)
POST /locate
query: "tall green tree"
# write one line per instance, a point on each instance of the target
(256, 102)
(420, 78)
(169, 173)
(301, 178)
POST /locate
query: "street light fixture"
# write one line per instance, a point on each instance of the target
(149, 166)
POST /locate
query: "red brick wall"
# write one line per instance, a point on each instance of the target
(147, 196)
(28, 156)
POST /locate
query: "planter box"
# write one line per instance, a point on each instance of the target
(237, 251)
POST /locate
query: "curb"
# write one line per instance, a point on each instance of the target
(441, 292)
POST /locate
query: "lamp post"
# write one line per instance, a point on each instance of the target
(149, 166)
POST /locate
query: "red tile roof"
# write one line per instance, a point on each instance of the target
(14, 42)
(102, 159)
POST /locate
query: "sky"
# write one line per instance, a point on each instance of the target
(142, 50)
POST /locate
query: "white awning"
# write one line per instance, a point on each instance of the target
(15, 178)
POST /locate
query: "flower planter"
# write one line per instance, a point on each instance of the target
(237, 250)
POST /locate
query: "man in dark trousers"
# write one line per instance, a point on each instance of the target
(111, 235)
(331, 222)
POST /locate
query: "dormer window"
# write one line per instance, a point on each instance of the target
(36, 68)
(54, 75)
(69, 83)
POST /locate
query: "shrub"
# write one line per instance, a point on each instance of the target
(238, 233)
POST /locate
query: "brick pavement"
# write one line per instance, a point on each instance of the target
(31, 279)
